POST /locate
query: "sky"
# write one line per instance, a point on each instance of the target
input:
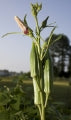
(15, 49)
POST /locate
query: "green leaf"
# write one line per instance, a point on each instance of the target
(16, 105)
(58, 38)
(25, 21)
(4, 99)
(46, 45)
(50, 25)
(50, 37)
(44, 23)
(12, 33)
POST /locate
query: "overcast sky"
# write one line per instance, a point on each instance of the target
(15, 49)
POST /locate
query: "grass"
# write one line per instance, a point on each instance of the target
(62, 92)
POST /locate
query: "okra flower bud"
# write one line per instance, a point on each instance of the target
(22, 26)
(36, 8)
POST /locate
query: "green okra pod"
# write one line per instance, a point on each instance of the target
(33, 61)
(37, 92)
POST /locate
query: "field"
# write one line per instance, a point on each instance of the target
(60, 98)
(61, 89)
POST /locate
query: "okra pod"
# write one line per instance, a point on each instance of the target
(37, 96)
(48, 80)
(33, 61)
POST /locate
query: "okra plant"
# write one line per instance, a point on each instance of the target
(40, 60)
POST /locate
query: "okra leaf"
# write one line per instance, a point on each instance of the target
(46, 45)
(44, 23)
(25, 21)
(50, 37)
(58, 38)
(12, 33)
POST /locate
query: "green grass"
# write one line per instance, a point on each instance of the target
(62, 92)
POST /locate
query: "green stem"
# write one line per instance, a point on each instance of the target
(37, 26)
(38, 36)
(42, 92)
(41, 78)
(43, 113)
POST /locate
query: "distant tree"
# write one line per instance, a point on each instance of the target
(69, 56)
(59, 52)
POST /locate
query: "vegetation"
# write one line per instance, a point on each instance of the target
(40, 60)
(17, 104)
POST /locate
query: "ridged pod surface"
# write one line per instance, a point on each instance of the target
(33, 61)
(48, 76)
(37, 92)
(48, 73)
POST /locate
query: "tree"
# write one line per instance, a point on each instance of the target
(59, 52)
(69, 57)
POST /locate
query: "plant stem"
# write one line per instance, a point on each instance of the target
(43, 113)
(42, 92)
(41, 76)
